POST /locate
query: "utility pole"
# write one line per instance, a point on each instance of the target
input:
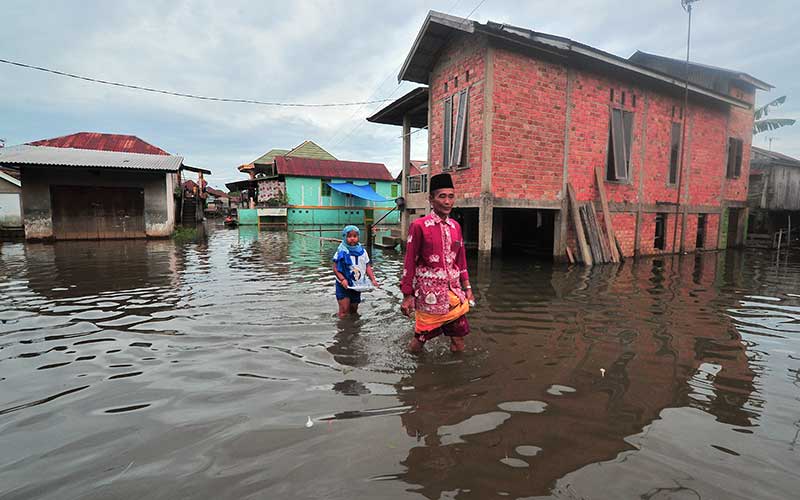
(687, 6)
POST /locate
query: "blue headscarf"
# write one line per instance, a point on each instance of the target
(356, 249)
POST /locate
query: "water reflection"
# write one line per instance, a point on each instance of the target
(652, 327)
(163, 369)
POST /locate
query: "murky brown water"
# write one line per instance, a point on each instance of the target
(156, 370)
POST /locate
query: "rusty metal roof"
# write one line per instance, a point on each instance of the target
(102, 142)
(332, 169)
(51, 157)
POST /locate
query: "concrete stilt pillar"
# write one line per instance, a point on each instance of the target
(485, 224)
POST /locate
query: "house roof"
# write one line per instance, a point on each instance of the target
(102, 142)
(332, 169)
(701, 74)
(309, 149)
(50, 157)
(414, 104)
(216, 192)
(763, 158)
(416, 165)
(267, 157)
(438, 29)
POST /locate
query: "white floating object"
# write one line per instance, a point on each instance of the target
(602, 372)
(309, 423)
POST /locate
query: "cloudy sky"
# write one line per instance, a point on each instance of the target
(321, 52)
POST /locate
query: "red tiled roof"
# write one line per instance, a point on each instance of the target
(332, 169)
(102, 142)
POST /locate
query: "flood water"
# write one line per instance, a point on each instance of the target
(164, 370)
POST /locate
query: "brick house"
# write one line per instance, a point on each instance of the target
(515, 115)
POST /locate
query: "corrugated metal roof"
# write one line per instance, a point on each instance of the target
(310, 149)
(332, 169)
(763, 157)
(269, 156)
(49, 156)
(102, 142)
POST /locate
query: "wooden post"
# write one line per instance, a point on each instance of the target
(615, 255)
(789, 233)
(576, 220)
(405, 157)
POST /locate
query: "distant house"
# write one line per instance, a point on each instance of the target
(217, 203)
(88, 194)
(308, 185)
(10, 206)
(773, 193)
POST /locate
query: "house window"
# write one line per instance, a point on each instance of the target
(701, 231)
(674, 153)
(395, 191)
(661, 230)
(455, 125)
(620, 139)
(325, 189)
(734, 169)
(373, 186)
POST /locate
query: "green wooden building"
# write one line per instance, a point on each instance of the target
(309, 186)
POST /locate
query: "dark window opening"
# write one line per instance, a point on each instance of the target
(467, 75)
(374, 186)
(448, 125)
(455, 131)
(611, 97)
(701, 231)
(674, 154)
(661, 230)
(634, 100)
(455, 82)
(734, 169)
(620, 138)
(325, 188)
(623, 98)
(445, 87)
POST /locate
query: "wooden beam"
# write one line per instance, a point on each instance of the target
(586, 254)
(615, 254)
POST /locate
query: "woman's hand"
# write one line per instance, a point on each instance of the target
(407, 306)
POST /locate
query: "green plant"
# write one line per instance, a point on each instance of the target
(184, 234)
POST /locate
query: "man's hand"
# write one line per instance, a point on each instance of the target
(375, 283)
(469, 295)
(407, 307)
(343, 282)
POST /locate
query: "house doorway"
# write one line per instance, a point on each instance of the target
(526, 231)
(97, 213)
(733, 227)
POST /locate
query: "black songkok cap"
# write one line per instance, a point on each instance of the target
(441, 181)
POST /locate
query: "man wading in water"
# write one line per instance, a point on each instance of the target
(435, 282)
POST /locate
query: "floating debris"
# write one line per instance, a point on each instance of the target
(309, 423)
(602, 372)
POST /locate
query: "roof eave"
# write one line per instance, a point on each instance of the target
(446, 20)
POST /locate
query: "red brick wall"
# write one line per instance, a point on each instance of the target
(528, 127)
(464, 54)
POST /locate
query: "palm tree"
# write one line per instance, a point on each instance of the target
(762, 124)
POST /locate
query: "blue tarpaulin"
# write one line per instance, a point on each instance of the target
(364, 192)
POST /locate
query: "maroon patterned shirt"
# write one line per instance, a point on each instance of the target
(435, 263)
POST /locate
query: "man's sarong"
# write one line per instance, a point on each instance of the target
(452, 324)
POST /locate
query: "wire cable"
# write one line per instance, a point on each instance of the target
(193, 96)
